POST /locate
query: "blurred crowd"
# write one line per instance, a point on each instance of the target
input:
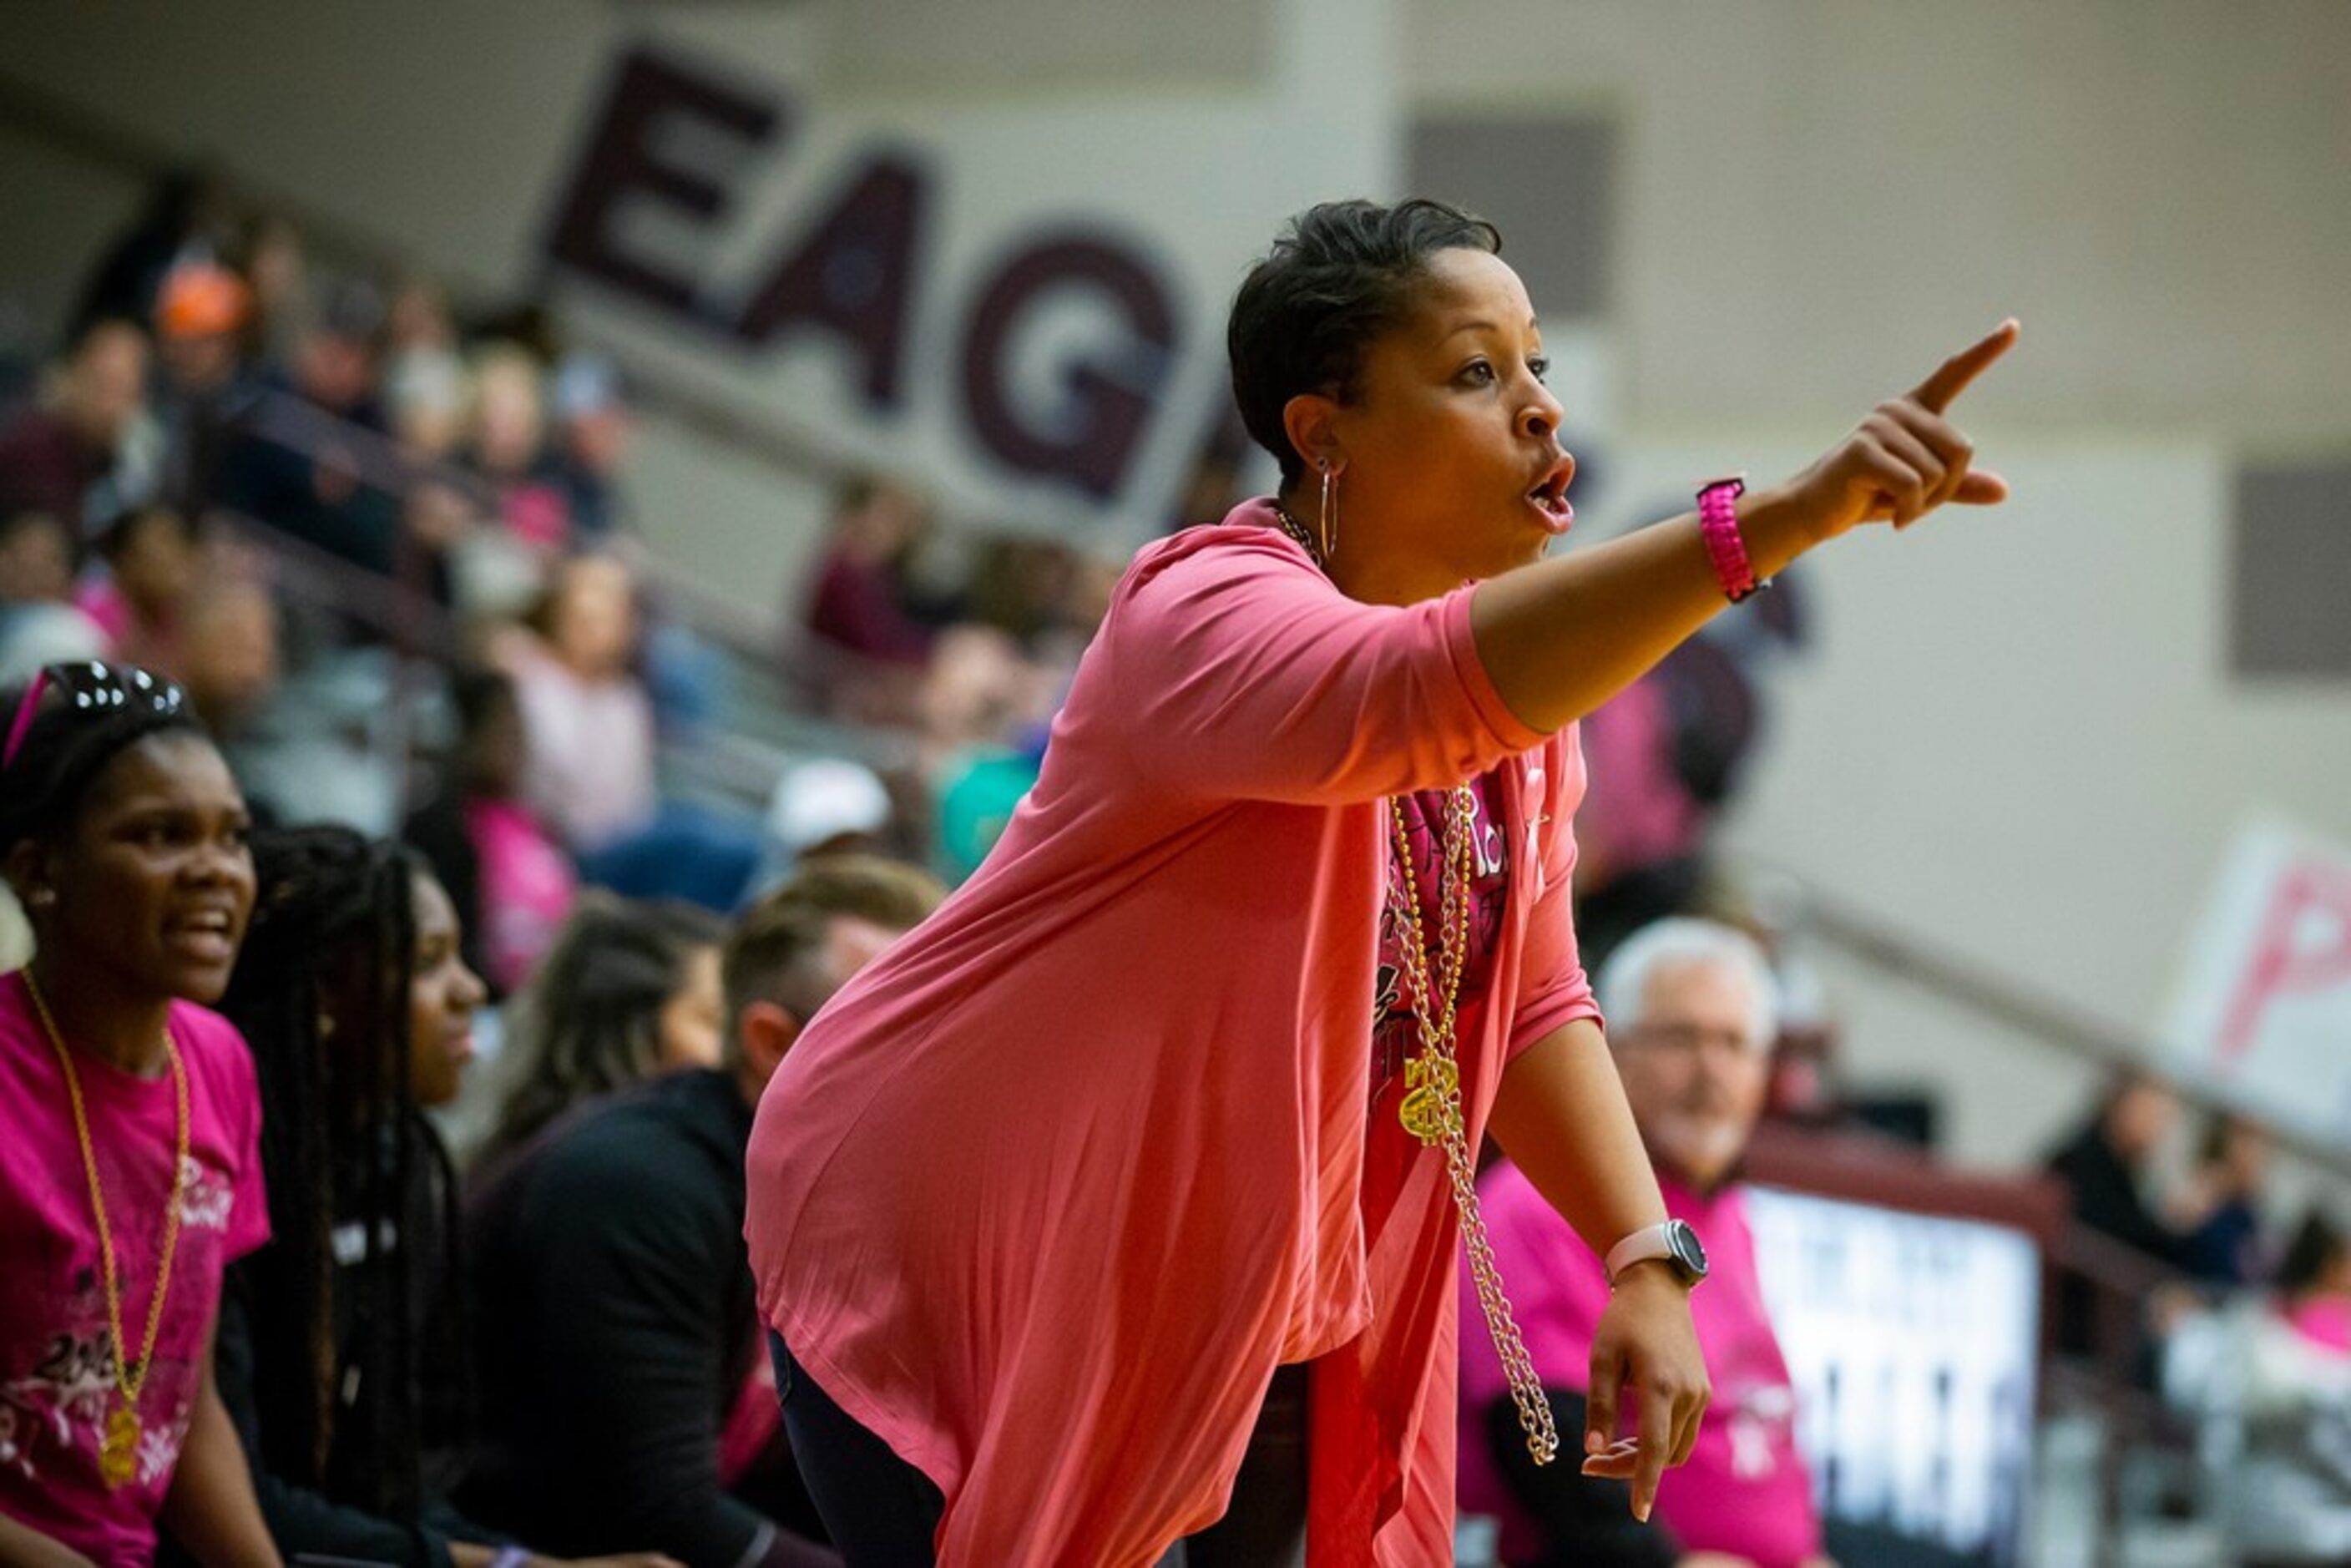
(345, 513)
(508, 1014)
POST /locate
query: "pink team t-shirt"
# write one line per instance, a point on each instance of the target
(1746, 1490)
(56, 1351)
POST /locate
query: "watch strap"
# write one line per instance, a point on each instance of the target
(1650, 1241)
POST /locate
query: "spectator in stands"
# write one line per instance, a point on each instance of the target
(1693, 1010)
(124, 1104)
(36, 559)
(418, 319)
(57, 456)
(2221, 1209)
(1637, 832)
(230, 654)
(39, 625)
(586, 717)
(506, 445)
(338, 357)
(200, 326)
(827, 805)
(427, 393)
(337, 1339)
(300, 468)
(185, 220)
(978, 691)
(138, 593)
(1022, 588)
(2107, 1165)
(1662, 757)
(511, 879)
(343, 1346)
(596, 428)
(619, 1327)
(630, 991)
(862, 650)
(269, 255)
(2314, 1286)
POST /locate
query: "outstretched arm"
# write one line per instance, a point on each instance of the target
(1561, 636)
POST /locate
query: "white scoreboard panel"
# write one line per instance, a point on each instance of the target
(1913, 1342)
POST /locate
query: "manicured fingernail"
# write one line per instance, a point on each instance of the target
(1641, 1511)
(1592, 1444)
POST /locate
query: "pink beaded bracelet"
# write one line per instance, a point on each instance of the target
(1717, 524)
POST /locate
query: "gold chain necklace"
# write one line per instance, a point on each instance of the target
(1431, 1108)
(1297, 531)
(118, 1454)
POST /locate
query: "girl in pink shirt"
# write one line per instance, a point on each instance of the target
(1044, 1201)
(130, 1126)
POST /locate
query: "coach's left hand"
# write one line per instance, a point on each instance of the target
(1646, 1351)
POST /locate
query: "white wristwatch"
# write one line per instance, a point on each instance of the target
(1673, 1240)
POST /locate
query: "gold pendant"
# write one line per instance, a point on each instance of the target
(1431, 1084)
(117, 1457)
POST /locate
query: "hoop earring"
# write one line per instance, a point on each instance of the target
(1329, 518)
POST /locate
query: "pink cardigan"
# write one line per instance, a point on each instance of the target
(1048, 1192)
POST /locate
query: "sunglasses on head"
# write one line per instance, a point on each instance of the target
(90, 688)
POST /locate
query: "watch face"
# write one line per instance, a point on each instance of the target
(1688, 1253)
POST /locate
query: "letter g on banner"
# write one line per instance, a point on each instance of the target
(1091, 433)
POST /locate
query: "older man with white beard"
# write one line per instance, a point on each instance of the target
(1692, 1011)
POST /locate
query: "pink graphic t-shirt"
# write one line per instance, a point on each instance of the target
(1395, 1028)
(56, 1352)
(1746, 1490)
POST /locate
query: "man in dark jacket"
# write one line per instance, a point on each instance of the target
(2105, 1164)
(618, 1330)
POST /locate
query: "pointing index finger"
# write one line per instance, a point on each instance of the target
(1953, 375)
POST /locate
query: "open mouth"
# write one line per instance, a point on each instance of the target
(207, 933)
(1548, 495)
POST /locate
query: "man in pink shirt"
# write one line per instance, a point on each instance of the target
(1694, 1010)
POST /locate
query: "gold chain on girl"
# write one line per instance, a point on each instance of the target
(1431, 1107)
(118, 1454)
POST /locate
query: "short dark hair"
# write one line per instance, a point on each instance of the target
(1340, 276)
(767, 959)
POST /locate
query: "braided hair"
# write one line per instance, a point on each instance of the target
(321, 993)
